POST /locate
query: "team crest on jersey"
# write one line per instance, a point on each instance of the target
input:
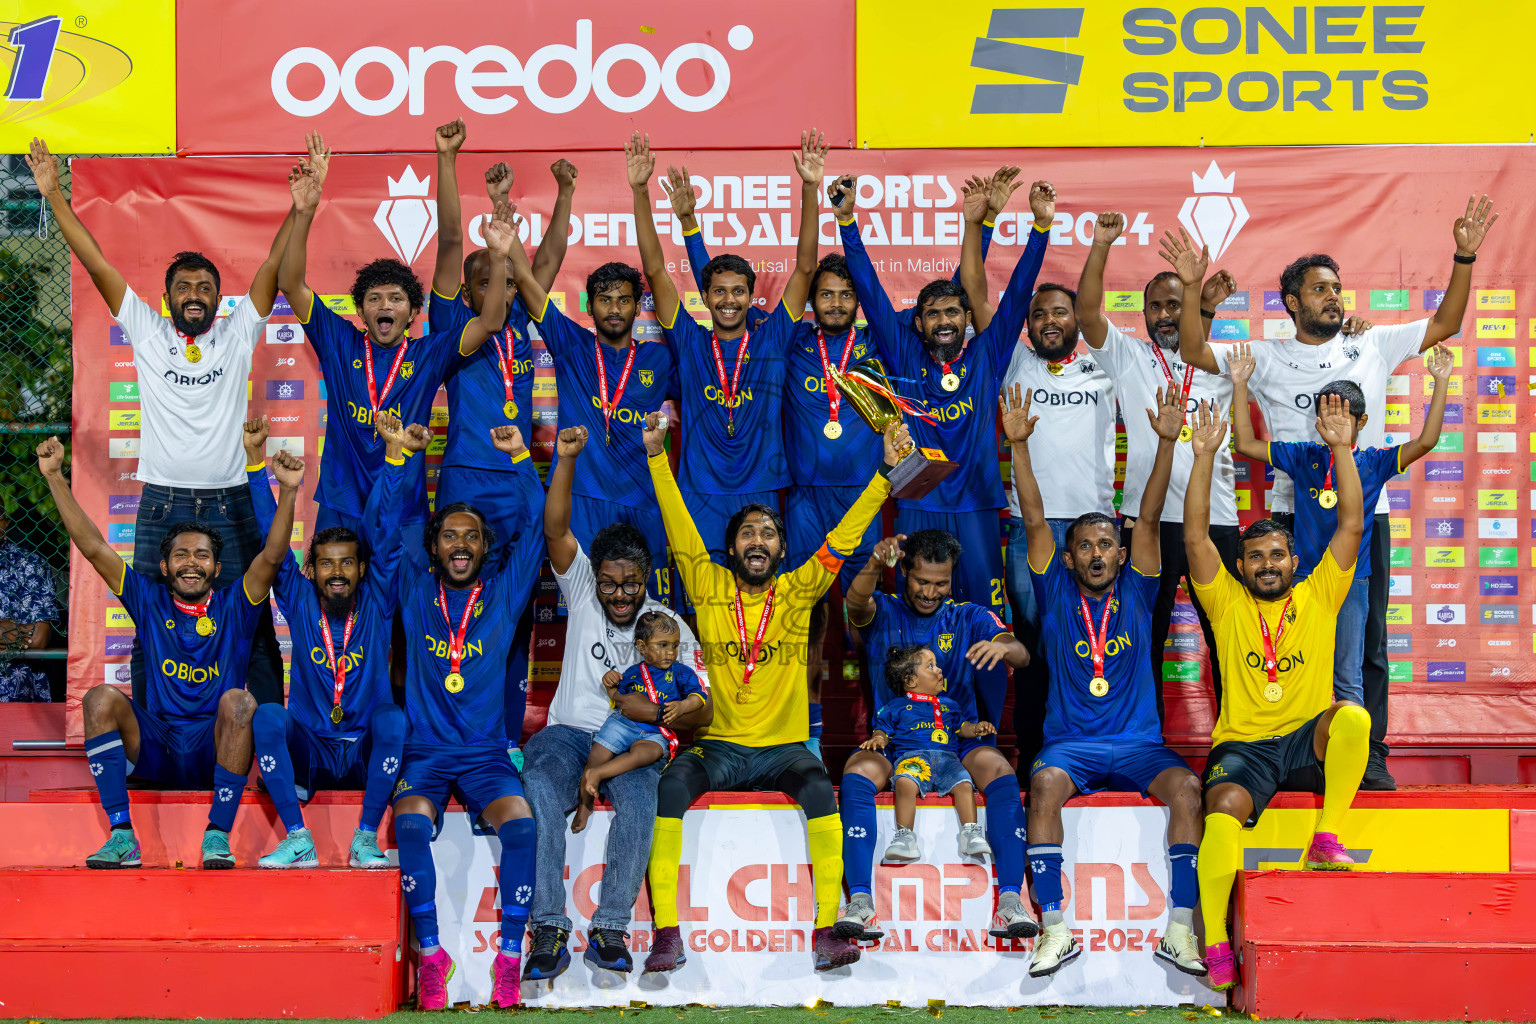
(1114, 605)
(479, 607)
(406, 369)
(946, 642)
(647, 378)
(858, 351)
(1290, 614)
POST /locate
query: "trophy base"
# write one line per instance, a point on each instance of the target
(918, 473)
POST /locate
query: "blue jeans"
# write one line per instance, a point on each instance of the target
(555, 758)
(227, 510)
(1349, 643)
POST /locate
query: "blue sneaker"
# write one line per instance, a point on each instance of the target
(366, 852)
(549, 957)
(216, 852)
(297, 850)
(606, 949)
(121, 850)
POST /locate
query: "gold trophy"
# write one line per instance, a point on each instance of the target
(917, 470)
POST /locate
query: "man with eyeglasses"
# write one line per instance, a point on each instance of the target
(605, 595)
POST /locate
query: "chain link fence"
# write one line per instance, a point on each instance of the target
(36, 377)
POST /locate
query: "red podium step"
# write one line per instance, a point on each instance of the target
(161, 943)
(1386, 945)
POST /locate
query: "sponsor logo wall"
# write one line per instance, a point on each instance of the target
(1464, 546)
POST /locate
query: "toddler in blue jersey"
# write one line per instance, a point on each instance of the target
(923, 729)
(622, 744)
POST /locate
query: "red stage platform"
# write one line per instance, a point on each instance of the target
(1394, 946)
(145, 943)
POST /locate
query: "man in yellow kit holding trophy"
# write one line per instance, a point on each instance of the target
(753, 626)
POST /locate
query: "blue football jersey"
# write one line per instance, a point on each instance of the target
(613, 469)
(477, 393)
(948, 632)
(1307, 464)
(966, 418)
(855, 456)
(911, 724)
(354, 457)
(672, 683)
(1073, 711)
(185, 674)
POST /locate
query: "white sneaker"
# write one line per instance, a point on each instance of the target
(973, 841)
(903, 846)
(1054, 947)
(1180, 949)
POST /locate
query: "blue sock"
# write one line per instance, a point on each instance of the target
(387, 736)
(1045, 862)
(227, 788)
(1185, 890)
(517, 843)
(856, 807)
(418, 878)
(109, 765)
(269, 728)
(1005, 831)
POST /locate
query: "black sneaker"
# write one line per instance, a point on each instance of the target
(549, 958)
(1377, 779)
(606, 949)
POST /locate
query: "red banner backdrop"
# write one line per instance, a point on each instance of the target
(1462, 577)
(576, 75)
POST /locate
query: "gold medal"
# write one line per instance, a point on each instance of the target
(1099, 687)
(510, 409)
(205, 626)
(337, 714)
(950, 382)
(1055, 368)
(453, 683)
(1273, 692)
(743, 694)
(194, 354)
(833, 430)
(730, 428)
(941, 737)
(1327, 499)
(1186, 432)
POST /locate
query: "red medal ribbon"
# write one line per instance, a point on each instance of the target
(195, 610)
(1189, 379)
(1097, 640)
(732, 389)
(933, 702)
(655, 696)
(1271, 648)
(375, 399)
(834, 398)
(1328, 476)
(339, 667)
(456, 642)
(506, 361)
(944, 367)
(757, 644)
(610, 404)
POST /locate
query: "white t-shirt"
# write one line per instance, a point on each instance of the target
(1288, 374)
(594, 646)
(1072, 450)
(191, 415)
(1137, 374)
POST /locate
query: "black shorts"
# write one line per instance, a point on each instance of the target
(734, 767)
(1264, 767)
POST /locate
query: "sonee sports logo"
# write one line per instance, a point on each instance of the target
(1054, 69)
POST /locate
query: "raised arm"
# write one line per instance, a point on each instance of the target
(305, 182)
(551, 251)
(1167, 422)
(1191, 266)
(289, 470)
(1240, 365)
(984, 199)
(535, 296)
(83, 533)
(1013, 413)
(1336, 427)
(45, 171)
(1439, 364)
(1007, 323)
(446, 271)
(810, 162)
(1204, 559)
(1090, 286)
(1468, 232)
(500, 240)
(558, 538)
(878, 311)
(523, 558)
(678, 185)
(860, 598)
(641, 165)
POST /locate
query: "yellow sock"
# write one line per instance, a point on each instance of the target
(666, 852)
(825, 838)
(1349, 746)
(1221, 854)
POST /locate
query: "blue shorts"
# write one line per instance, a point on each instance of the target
(478, 776)
(328, 762)
(176, 753)
(589, 515)
(1095, 765)
(618, 734)
(810, 513)
(934, 771)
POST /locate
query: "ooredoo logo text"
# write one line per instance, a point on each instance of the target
(488, 78)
